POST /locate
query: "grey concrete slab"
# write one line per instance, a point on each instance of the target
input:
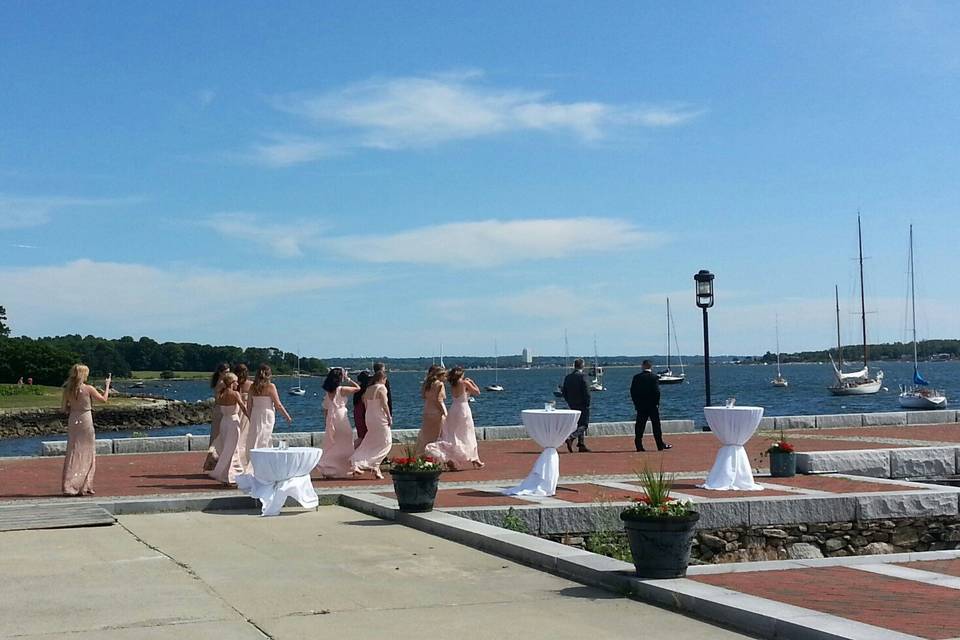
(150, 445)
(579, 518)
(505, 433)
(888, 418)
(198, 443)
(918, 462)
(899, 505)
(839, 420)
(790, 510)
(54, 448)
(295, 439)
(720, 514)
(796, 422)
(863, 462)
(767, 423)
(931, 417)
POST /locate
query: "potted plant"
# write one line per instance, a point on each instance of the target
(659, 528)
(415, 480)
(783, 458)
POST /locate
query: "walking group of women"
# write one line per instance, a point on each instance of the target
(244, 415)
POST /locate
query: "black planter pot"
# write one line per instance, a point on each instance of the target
(660, 546)
(783, 465)
(416, 490)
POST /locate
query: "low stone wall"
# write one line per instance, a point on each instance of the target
(910, 462)
(804, 541)
(152, 414)
(886, 418)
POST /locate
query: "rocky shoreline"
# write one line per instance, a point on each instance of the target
(151, 414)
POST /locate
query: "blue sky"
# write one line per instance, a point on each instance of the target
(377, 178)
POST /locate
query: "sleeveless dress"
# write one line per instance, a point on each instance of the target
(80, 463)
(228, 466)
(458, 441)
(338, 437)
(376, 444)
(242, 450)
(432, 418)
(263, 417)
(213, 449)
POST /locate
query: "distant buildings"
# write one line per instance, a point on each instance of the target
(527, 356)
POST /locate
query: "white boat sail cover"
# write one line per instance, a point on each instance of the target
(863, 374)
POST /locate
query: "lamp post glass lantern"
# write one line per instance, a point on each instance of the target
(704, 291)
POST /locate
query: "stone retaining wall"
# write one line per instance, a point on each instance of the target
(152, 414)
(909, 462)
(804, 541)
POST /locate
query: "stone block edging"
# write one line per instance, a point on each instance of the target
(909, 462)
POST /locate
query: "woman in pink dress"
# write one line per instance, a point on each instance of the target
(434, 409)
(338, 436)
(457, 446)
(231, 405)
(359, 408)
(264, 402)
(376, 443)
(243, 386)
(213, 448)
(81, 461)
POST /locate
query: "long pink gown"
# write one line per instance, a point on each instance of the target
(263, 417)
(338, 437)
(242, 451)
(228, 466)
(213, 449)
(458, 440)
(433, 417)
(81, 462)
(375, 446)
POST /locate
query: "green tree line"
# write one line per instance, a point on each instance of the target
(926, 349)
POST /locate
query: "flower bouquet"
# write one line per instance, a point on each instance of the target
(783, 457)
(415, 481)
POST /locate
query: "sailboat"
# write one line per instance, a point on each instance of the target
(297, 390)
(667, 376)
(779, 381)
(597, 371)
(857, 383)
(496, 386)
(558, 392)
(918, 395)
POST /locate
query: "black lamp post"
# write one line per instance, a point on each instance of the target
(704, 280)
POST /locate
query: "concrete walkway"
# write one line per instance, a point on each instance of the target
(332, 573)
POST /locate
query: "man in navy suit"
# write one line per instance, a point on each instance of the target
(576, 391)
(645, 393)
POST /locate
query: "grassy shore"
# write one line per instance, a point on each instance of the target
(37, 396)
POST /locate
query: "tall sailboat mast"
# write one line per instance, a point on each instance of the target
(863, 305)
(668, 334)
(913, 305)
(777, 328)
(836, 297)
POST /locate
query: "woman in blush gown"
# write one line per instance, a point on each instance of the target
(213, 448)
(80, 462)
(359, 407)
(231, 405)
(264, 402)
(376, 444)
(434, 409)
(243, 386)
(338, 436)
(457, 446)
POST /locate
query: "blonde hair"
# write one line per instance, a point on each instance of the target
(262, 380)
(75, 381)
(226, 380)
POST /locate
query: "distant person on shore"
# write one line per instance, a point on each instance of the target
(243, 386)
(576, 391)
(359, 407)
(20, 382)
(379, 366)
(338, 437)
(378, 439)
(29, 380)
(645, 393)
(213, 449)
(80, 462)
(231, 406)
(457, 446)
(434, 409)
(264, 403)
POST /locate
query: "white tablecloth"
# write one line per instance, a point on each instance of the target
(549, 429)
(733, 426)
(279, 474)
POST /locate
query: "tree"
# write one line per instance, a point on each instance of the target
(4, 327)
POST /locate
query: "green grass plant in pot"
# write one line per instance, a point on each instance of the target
(415, 480)
(783, 458)
(659, 528)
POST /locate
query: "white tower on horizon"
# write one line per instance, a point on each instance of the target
(527, 356)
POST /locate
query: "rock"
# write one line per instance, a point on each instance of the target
(711, 542)
(754, 542)
(774, 533)
(839, 554)
(906, 537)
(876, 549)
(858, 541)
(833, 544)
(803, 551)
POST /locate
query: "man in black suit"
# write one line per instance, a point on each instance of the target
(377, 367)
(576, 391)
(645, 393)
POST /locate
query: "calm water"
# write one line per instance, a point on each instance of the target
(525, 389)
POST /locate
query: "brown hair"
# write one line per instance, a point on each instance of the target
(378, 378)
(455, 375)
(262, 381)
(243, 373)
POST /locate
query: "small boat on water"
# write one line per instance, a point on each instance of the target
(779, 381)
(666, 375)
(138, 384)
(297, 390)
(856, 383)
(596, 384)
(496, 386)
(918, 395)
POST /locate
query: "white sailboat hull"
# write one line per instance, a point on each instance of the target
(494, 387)
(669, 378)
(779, 382)
(922, 399)
(856, 388)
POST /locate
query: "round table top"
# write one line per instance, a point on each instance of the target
(735, 408)
(287, 450)
(550, 412)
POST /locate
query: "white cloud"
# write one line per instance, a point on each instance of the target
(110, 298)
(206, 97)
(490, 243)
(31, 211)
(413, 112)
(285, 241)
